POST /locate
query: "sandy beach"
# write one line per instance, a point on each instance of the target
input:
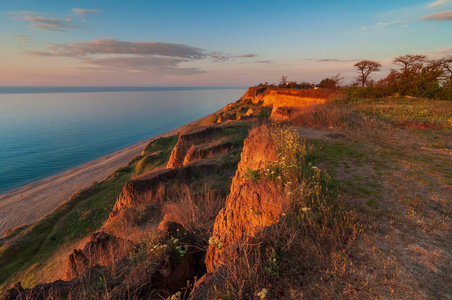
(27, 204)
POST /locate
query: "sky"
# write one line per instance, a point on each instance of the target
(211, 43)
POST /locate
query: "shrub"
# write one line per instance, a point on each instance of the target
(195, 211)
(309, 237)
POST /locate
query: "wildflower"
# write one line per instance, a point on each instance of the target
(262, 294)
(175, 241)
(279, 177)
(305, 209)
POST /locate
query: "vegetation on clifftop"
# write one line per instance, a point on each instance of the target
(361, 185)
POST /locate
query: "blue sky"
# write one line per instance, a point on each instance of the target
(211, 43)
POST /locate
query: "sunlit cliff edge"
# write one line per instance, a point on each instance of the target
(283, 194)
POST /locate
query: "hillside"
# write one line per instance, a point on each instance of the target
(284, 194)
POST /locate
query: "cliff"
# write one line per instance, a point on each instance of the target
(246, 210)
(249, 206)
(285, 97)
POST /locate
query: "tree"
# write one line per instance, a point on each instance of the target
(331, 83)
(408, 62)
(446, 64)
(283, 81)
(305, 85)
(365, 68)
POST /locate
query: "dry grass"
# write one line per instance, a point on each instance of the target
(328, 115)
(309, 243)
(194, 210)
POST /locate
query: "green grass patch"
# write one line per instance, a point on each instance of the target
(373, 203)
(161, 144)
(27, 249)
(84, 213)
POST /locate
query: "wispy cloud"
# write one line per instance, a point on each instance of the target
(439, 3)
(132, 56)
(54, 24)
(113, 46)
(43, 23)
(249, 55)
(264, 61)
(334, 60)
(24, 13)
(441, 16)
(381, 24)
(85, 11)
(23, 37)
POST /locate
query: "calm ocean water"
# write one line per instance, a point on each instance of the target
(49, 130)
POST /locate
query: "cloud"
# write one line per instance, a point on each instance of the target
(54, 24)
(24, 13)
(441, 16)
(163, 65)
(23, 37)
(436, 53)
(247, 55)
(44, 23)
(84, 11)
(113, 46)
(107, 54)
(381, 24)
(334, 60)
(264, 61)
(439, 3)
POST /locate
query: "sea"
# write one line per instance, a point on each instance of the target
(48, 130)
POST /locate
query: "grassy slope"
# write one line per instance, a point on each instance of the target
(397, 180)
(36, 253)
(33, 250)
(400, 180)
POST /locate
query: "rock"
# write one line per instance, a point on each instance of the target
(227, 117)
(150, 188)
(250, 112)
(102, 249)
(281, 113)
(187, 138)
(172, 274)
(285, 97)
(250, 206)
(207, 151)
(13, 292)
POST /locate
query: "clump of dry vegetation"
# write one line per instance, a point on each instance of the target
(364, 198)
(309, 243)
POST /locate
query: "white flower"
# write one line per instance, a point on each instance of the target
(175, 241)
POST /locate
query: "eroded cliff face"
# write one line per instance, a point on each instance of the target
(193, 155)
(250, 205)
(102, 249)
(284, 98)
(150, 188)
(187, 139)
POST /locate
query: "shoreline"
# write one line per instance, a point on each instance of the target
(27, 204)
